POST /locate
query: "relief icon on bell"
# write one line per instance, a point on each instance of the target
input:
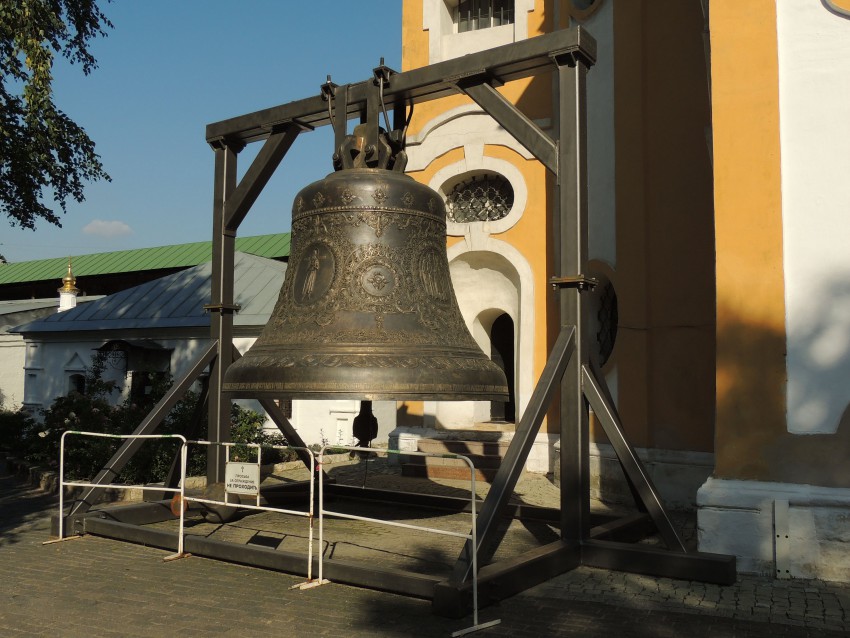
(314, 274)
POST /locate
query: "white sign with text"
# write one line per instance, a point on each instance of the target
(242, 478)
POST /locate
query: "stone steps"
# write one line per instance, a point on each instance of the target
(455, 472)
(486, 456)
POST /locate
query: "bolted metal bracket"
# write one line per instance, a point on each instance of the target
(382, 74)
(579, 281)
(329, 90)
(221, 143)
(222, 307)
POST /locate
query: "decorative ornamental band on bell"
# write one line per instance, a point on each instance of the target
(367, 309)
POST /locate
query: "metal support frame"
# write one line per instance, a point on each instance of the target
(569, 53)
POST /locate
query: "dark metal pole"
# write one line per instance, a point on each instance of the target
(603, 407)
(520, 126)
(221, 309)
(512, 464)
(571, 262)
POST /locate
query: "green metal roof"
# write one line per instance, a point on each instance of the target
(177, 256)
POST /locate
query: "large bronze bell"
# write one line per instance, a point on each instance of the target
(367, 309)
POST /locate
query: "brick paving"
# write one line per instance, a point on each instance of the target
(99, 587)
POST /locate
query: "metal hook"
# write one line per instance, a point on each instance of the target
(383, 106)
(406, 125)
(328, 94)
(382, 75)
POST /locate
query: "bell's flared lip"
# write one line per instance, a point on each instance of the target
(333, 395)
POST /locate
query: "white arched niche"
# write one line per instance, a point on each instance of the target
(489, 281)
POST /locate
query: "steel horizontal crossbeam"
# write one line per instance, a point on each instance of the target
(501, 64)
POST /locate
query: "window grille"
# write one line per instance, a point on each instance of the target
(480, 198)
(472, 15)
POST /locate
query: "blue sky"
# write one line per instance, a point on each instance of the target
(169, 68)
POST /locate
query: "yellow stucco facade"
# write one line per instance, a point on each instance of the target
(753, 441)
(664, 245)
(689, 172)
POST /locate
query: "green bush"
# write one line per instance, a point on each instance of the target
(13, 424)
(38, 440)
(246, 426)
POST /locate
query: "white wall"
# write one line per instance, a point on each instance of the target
(814, 111)
(12, 356)
(49, 364)
(331, 422)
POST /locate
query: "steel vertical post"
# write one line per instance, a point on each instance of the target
(571, 261)
(221, 309)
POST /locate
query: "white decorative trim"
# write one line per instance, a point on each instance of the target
(444, 43)
(742, 518)
(467, 123)
(472, 127)
(75, 363)
(523, 316)
(475, 162)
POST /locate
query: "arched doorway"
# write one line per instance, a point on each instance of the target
(502, 354)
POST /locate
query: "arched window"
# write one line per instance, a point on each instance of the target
(502, 354)
(77, 383)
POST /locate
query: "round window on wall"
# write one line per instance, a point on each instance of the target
(479, 198)
(583, 9)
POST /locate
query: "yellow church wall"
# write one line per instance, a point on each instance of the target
(700, 354)
(665, 249)
(665, 269)
(414, 41)
(752, 441)
(750, 287)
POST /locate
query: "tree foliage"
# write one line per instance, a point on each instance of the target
(42, 151)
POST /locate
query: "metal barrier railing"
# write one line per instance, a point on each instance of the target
(310, 514)
(251, 484)
(472, 536)
(63, 483)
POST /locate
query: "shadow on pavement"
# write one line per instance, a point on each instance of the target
(22, 506)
